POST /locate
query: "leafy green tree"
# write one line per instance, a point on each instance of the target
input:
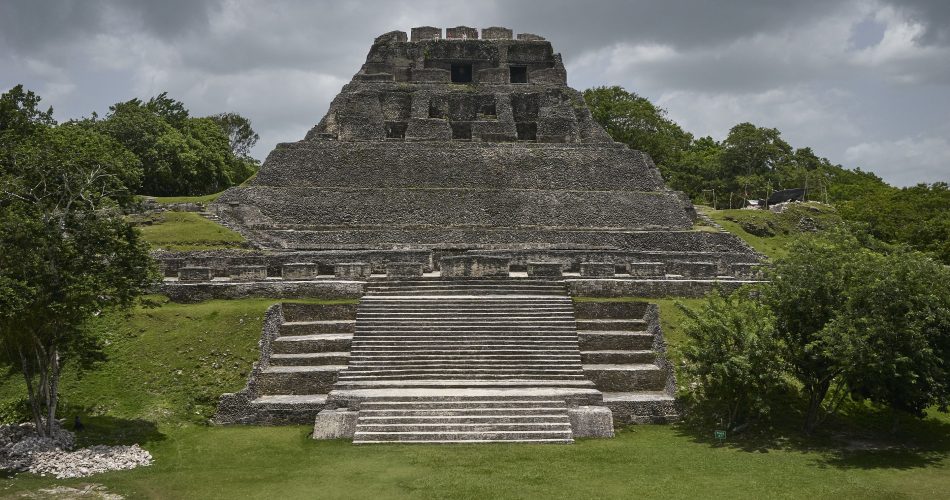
(750, 157)
(899, 308)
(20, 114)
(806, 292)
(638, 123)
(180, 155)
(66, 254)
(732, 361)
(240, 134)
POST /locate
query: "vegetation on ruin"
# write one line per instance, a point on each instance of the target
(163, 410)
(67, 254)
(771, 233)
(752, 162)
(183, 231)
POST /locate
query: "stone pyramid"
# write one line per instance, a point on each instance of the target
(468, 144)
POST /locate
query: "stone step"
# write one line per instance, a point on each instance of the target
(500, 416)
(618, 357)
(310, 359)
(473, 301)
(559, 437)
(450, 321)
(476, 328)
(465, 281)
(532, 384)
(467, 292)
(607, 340)
(493, 426)
(481, 396)
(642, 407)
(474, 405)
(365, 359)
(361, 364)
(476, 371)
(422, 339)
(467, 375)
(326, 342)
(611, 324)
(289, 328)
(469, 349)
(626, 377)
(526, 313)
(298, 379)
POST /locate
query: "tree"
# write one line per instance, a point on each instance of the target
(638, 123)
(20, 114)
(183, 156)
(899, 308)
(66, 254)
(731, 358)
(240, 134)
(750, 157)
(806, 292)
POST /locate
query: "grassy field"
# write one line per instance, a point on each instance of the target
(769, 232)
(167, 365)
(645, 461)
(188, 231)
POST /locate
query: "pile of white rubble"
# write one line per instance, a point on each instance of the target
(23, 450)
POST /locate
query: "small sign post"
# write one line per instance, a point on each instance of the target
(720, 435)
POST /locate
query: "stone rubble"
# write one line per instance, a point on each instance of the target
(22, 450)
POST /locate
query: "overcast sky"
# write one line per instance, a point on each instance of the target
(865, 83)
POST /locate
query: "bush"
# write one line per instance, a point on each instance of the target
(732, 363)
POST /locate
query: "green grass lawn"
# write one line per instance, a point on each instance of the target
(644, 461)
(168, 364)
(188, 231)
(770, 233)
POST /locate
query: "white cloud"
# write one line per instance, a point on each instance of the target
(904, 161)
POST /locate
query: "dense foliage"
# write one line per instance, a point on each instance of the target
(836, 320)
(67, 252)
(731, 359)
(180, 155)
(752, 162)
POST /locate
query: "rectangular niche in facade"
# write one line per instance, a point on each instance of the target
(461, 73)
(527, 131)
(396, 130)
(461, 131)
(519, 74)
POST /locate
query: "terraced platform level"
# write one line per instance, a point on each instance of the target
(459, 360)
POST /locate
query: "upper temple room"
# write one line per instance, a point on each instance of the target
(490, 86)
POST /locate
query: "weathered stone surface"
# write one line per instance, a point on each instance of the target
(591, 422)
(248, 273)
(496, 33)
(475, 266)
(694, 269)
(353, 270)
(461, 33)
(299, 270)
(545, 269)
(197, 292)
(335, 424)
(195, 273)
(404, 269)
(598, 269)
(647, 269)
(426, 33)
(529, 37)
(658, 288)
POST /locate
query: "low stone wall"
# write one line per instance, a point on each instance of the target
(620, 287)
(545, 269)
(248, 273)
(395, 270)
(353, 270)
(475, 266)
(598, 269)
(224, 262)
(236, 408)
(325, 289)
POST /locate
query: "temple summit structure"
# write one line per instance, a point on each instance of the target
(463, 193)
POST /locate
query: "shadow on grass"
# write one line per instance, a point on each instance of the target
(114, 431)
(858, 438)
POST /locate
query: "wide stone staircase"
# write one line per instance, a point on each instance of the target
(464, 360)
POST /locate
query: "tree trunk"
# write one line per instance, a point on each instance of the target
(53, 392)
(816, 395)
(33, 398)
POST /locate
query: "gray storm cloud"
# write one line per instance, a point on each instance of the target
(863, 82)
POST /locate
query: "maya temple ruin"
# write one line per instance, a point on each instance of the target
(463, 193)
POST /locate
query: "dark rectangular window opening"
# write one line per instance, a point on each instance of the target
(461, 131)
(396, 130)
(489, 110)
(436, 111)
(519, 74)
(461, 73)
(527, 131)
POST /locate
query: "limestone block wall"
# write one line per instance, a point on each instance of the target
(458, 165)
